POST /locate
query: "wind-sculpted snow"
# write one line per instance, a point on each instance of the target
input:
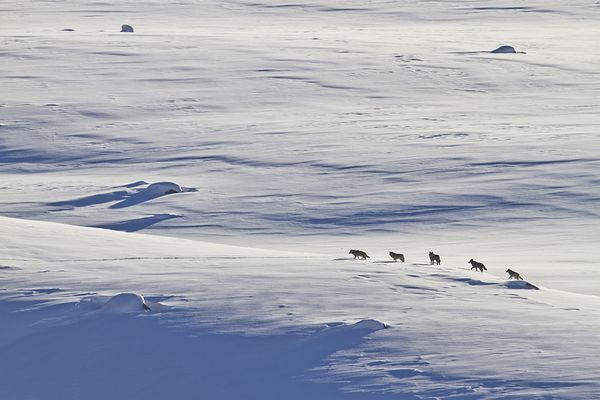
(138, 224)
(309, 126)
(274, 324)
(343, 122)
(125, 303)
(132, 196)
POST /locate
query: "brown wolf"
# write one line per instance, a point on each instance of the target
(477, 265)
(434, 258)
(361, 255)
(397, 256)
(513, 274)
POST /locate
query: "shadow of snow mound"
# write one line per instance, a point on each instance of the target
(507, 284)
(127, 351)
(521, 285)
(137, 224)
(126, 198)
(473, 282)
(93, 199)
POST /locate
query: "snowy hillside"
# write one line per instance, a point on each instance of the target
(177, 203)
(229, 322)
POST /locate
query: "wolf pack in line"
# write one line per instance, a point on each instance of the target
(435, 259)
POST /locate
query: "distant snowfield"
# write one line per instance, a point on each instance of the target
(308, 128)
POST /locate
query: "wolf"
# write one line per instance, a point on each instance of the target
(397, 256)
(513, 274)
(361, 255)
(477, 265)
(434, 258)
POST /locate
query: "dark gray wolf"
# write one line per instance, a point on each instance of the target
(513, 274)
(434, 258)
(359, 254)
(477, 265)
(397, 256)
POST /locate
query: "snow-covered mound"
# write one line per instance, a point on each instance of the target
(137, 224)
(122, 303)
(125, 303)
(369, 324)
(161, 188)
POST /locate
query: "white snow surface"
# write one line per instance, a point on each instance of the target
(154, 167)
(227, 321)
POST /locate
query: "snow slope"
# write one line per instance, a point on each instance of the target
(308, 127)
(228, 322)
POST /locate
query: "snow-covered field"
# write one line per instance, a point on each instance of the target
(233, 152)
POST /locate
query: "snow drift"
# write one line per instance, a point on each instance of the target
(125, 303)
